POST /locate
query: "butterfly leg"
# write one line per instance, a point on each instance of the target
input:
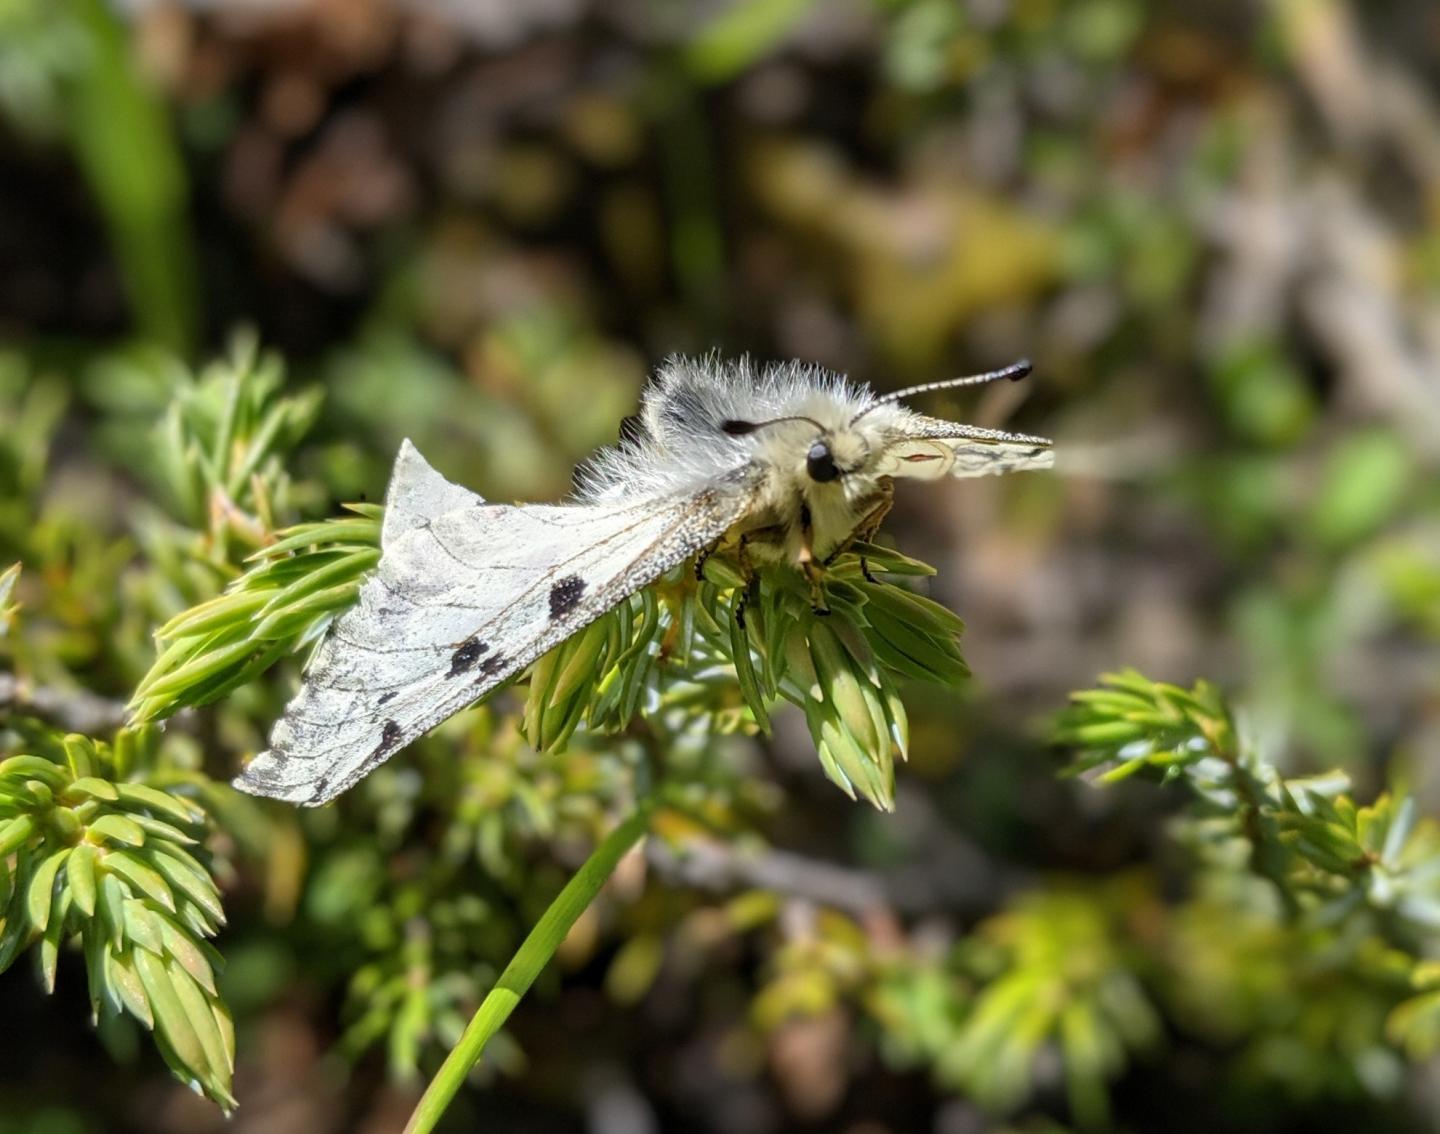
(866, 528)
(742, 555)
(871, 524)
(865, 531)
(813, 571)
(813, 575)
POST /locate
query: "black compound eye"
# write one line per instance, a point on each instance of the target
(820, 464)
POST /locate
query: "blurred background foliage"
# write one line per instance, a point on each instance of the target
(1216, 230)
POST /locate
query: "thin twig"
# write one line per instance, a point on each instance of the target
(74, 710)
(950, 874)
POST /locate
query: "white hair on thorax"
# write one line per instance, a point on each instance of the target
(678, 443)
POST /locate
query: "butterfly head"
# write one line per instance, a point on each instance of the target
(820, 463)
(823, 453)
(838, 443)
(837, 454)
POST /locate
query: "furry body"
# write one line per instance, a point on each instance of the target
(468, 593)
(679, 444)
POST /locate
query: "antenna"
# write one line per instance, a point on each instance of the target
(738, 428)
(1013, 373)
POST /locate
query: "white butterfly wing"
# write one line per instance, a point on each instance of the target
(927, 448)
(466, 594)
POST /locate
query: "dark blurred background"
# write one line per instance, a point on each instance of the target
(1214, 228)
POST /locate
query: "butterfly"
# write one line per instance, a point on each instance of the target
(785, 463)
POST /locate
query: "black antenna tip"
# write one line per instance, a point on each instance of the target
(1019, 370)
(738, 428)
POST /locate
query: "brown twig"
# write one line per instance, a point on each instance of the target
(951, 875)
(72, 709)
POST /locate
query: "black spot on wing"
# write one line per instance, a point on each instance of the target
(389, 737)
(565, 594)
(386, 697)
(466, 656)
(491, 665)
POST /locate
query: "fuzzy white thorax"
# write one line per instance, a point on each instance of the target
(680, 443)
